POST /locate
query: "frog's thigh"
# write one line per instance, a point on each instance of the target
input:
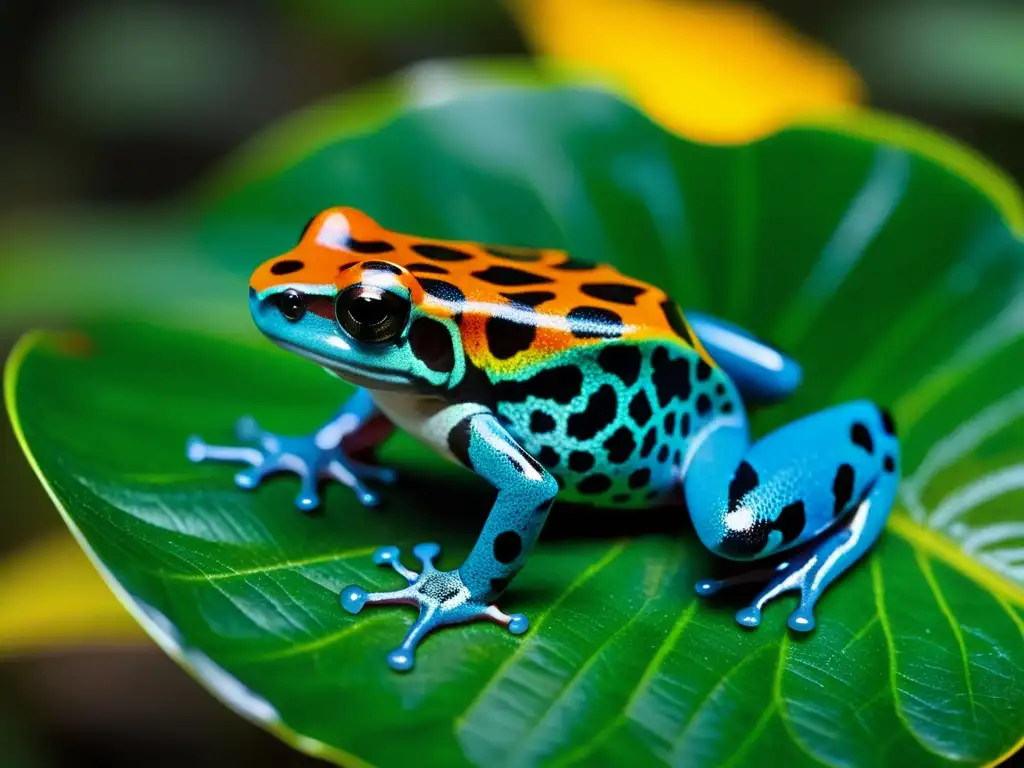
(760, 372)
(835, 470)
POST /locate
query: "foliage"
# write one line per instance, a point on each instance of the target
(887, 274)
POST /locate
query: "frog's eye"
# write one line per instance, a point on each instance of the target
(371, 314)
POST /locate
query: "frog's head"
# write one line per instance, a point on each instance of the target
(336, 299)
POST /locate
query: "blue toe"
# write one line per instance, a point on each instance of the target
(353, 599)
(400, 661)
(518, 624)
(195, 449)
(427, 550)
(801, 621)
(385, 555)
(749, 617)
(707, 587)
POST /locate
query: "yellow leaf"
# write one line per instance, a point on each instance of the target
(718, 72)
(53, 597)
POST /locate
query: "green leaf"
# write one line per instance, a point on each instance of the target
(884, 258)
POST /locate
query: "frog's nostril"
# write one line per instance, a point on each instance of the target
(291, 304)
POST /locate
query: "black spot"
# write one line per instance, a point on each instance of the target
(369, 246)
(640, 408)
(653, 494)
(527, 459)
(671, 378)
(663, 453)
(616, 293)
(648, 445)
(599, 413)
(541, 423)
(860, 436)
(432, 269)
(889, 464)
(746, 542)
(581, 461)
(442, 289)
(430, 341)
(497, 587)
(620, 498)
(347, 265)
(529, 298)
(675, 320)
(703, 370)
(620, 445)
(640, 478)
(888, 422)
(743, 482)
(719, 388)
(594, 323)
(575, 265)
(678, 458)
(510, 276)
(684, 425)
(727, 407)
(446, 593)
(524, 254)
(382, 266)
(791, 521)
(703, 403)
(560, 384)
(506, 338)
(458, 442)
(507, 547)
(842, 488)
(593, 484)
(440, 252)
(622, 361)
(286, 267)
(670, 423)
(548, 456)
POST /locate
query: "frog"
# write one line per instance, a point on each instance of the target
(554, 377)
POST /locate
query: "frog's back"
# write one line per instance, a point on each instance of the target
(597, 374)
(516, 307)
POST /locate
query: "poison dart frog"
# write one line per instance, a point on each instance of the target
(552, 376)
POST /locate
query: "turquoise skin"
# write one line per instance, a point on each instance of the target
(624, 423)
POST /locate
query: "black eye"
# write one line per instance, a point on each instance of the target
(371, 314)
(292, 305)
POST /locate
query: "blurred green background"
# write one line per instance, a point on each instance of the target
(118, 105)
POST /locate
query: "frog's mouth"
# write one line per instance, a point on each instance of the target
(370, 377)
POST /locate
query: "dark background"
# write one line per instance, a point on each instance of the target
(128, 102)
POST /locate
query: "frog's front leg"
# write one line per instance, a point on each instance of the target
(325, 454)
(826, 481)
(525, 494)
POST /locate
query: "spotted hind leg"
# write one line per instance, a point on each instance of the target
(822, 487)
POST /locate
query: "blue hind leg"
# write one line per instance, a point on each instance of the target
(821, 486)
(761, 373)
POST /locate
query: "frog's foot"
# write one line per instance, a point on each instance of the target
(441, 597)
(811, 570)
(789, 575)
(269, 453)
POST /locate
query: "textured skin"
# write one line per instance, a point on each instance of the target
(549, 376)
